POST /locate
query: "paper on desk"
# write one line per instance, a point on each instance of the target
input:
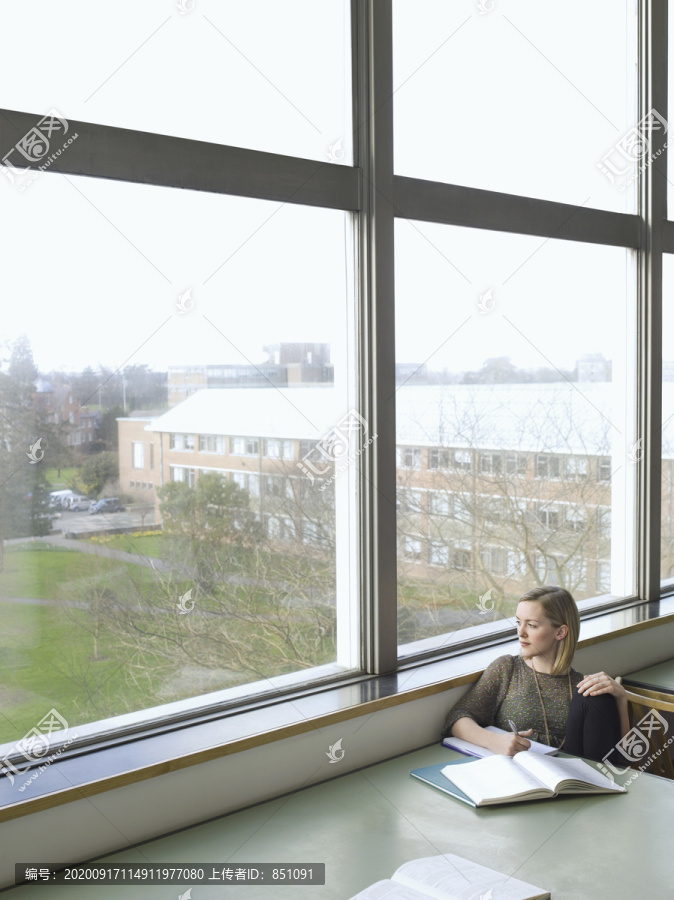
(462, 746)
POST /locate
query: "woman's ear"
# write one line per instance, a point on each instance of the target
(561, 632)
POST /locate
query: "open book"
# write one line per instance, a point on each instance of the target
(526, 776)
(449, 877)
(471, 749)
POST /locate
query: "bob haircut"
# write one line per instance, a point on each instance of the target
(559, 608)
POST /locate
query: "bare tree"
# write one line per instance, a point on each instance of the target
(475, 520)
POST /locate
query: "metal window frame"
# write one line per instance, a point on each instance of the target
(376, 196)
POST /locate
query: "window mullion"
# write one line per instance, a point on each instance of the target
(373, 144)
(653, 209)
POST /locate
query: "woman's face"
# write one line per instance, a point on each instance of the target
(536, 634)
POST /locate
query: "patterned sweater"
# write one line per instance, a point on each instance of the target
(507, 690)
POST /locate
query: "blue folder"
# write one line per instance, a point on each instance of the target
(432, 775)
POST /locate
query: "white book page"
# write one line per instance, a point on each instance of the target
(552, 772)
(442, 877)
(476, 750)
(389, 890)
(494, 778)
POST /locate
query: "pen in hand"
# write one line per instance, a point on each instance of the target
(514, 730)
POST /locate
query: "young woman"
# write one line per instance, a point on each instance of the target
(540, 692)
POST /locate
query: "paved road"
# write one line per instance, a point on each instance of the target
(80, 522)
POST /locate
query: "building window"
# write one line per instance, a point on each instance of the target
(211, 443)
(410, 500)
(604, 467)
(491, 463)
(281, 528)
(182, 473)
(548, 516)
(494, 560)
(138, 455)
(460, 557)
(548, 466)
(241, 446)
(440, 503)
(181, 441)
(409, 457)
(576, 467)
(438, 459)
(461, 460)
(278, 449)
(438, 553)
(516, 464)
(412, 549)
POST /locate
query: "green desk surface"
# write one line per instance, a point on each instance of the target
(367, 823)
(657, 678)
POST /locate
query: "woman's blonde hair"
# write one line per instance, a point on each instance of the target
(559, 608)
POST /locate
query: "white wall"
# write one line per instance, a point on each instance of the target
(112, 821)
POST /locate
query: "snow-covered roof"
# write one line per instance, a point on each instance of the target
(299, 413)
(560, 417)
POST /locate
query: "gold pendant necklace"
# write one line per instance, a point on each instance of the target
(545, 718)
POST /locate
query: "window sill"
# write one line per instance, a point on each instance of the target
(102, 769)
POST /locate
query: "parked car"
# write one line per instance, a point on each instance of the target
(78, 503)
(106, 505)
(60, 499)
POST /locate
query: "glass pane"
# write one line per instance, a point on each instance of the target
(173, 356)
(667, 480)
(515, 420)
(199, 69)
(520, 97)
(670, 88)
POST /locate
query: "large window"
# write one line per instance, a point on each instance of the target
(233, 73)
(532, 398)
(509, 97)
(247, 589)
(371, 280)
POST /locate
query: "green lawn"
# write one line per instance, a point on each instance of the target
(143, 544)
(47, 651)
(62, 482)
(52, 659)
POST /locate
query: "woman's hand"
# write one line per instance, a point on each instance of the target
(601, 683)
(509, 744)
(506, 744)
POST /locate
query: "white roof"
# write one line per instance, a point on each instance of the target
(299, 413)
(556, 418)
(561, 417)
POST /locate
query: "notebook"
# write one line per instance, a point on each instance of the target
(450, 877)
(510, 779)
(471, 749)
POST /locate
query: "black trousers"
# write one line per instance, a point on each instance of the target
(593, 728)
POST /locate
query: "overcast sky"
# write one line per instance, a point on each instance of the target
(506, 95)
